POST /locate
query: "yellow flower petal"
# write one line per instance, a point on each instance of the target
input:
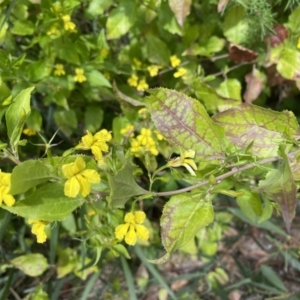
(85, 186)
(72, 187)
(131, 237)
(121, 230)
(9, 200)
(97, 152)
(191, 171)
(103, 135)
(38, 229)
(87, 140)
(129, 218)
(142, 232)
(79, 163)
(139, 216)
(91, 175)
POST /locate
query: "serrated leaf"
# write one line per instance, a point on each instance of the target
(184, 122)
(123, 186)
(28, 175)
(183, 216)
(230, 88)
(265, 128)
(289, 64)
(33, 264)
(121, 19)
(160, 261)
(181, 9)
(48, 203)
(16, 115)
(250, 204)
(280, 186)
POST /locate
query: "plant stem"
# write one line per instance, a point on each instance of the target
(233, 171)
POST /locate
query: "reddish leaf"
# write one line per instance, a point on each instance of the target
(240, 54)
(281, 34)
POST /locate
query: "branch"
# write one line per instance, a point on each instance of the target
(228, 174)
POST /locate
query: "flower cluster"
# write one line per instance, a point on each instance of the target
(140, 85)
(143, 143)
(38, 229)
(97, 143)
(79, 178)
(68, 24)
(128, 130)
(5, 183)
(175, 62)
(59, 70)
(132, 229)
(185, 160)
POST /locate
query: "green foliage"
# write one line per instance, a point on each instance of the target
(142, 105)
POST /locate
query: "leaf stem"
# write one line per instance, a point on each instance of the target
(233, 171)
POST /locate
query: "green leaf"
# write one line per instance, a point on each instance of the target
(38, 70)
(184, 122)
(183, 216)
(280, 186)
(16, 115)
(93, 118)
(272, 277)
(157, 51)
(230, 88)
(34, 120)
(235, 26)
(294, 21)
(267, 211)
(97, 7)
(66, 120)
(123, 186)
(211, 99)
(289, 64)
(266, 128)
(48, 203)
(250, 204)
(181, 9)
(23, 27)
(96, 79)
(28, 175)
(38, 294)
(121, 19)
(33, 264)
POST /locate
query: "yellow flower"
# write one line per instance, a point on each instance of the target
(143, 113)
(79, 77)
(298, 44)
(180, 72)
(132, 229)
(79, 179)
(143, 143)
(59, 70)
(29, 131)
(53, 31)
(185, 160)
(68, 24)
(96, 143)
(38, 229)
(159, 136)
(104, 52)
(153, 70)
(137, 62)
(133, 80)
(143, 85)
(175, 61)
(128, 130)
(5, 183)
(145, 136)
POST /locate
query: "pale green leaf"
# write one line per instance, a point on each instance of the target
(23, 27)
(16, 115)
(34, 120)
(97, 79)
(48, 203)
(235, 26)
(183, 216)
(250, 204)
(267, 211)
(157, 51)
(289, 64)
(265, 128)
(121, 19)
(33, 264)
(97, 7)
(28, 175)
(230, 88)
(294, 21)
(184, 122)
(181, 9)
(123, 186)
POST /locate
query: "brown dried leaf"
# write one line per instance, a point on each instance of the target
(255, 82)
(181, 9)
(240, 54)
(281, 33)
